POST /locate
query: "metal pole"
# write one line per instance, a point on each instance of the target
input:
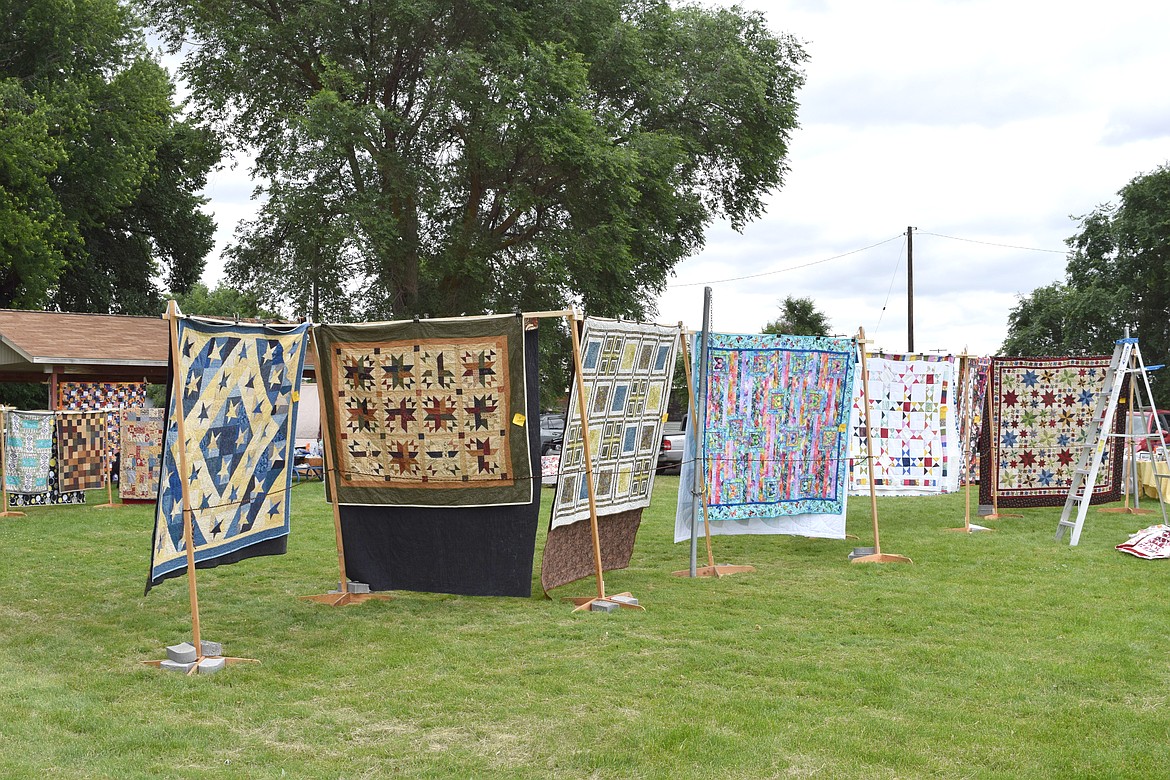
(909, 289)
(700, 430)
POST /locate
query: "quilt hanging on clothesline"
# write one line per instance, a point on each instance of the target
(28, 450)
(626, 368)
(1039, 409)
(428, 413)
(776, 447)
(238, 386)
(141, 433)
(112, 396)
(912, 425)
(82, 449)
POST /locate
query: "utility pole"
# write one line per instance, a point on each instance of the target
(909, 289)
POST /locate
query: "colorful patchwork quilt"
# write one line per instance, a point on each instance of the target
(627, 370)
(81, 442)
(111, 396)
(141, 447)
(28, 450)
(1040, 408)
(428, 413)
(236, 387)
(975, 400)
(912, 424)
(776, 443)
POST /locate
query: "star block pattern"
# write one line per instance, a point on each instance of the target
(82, 447)
(627, 369)
(141, 433)
(777, 425)
(428, 413)
(913, 426)
(1040, 408)
(239, 386)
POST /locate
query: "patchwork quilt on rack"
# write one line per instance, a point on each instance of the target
(28, 451)
(141, 446)
(82, 450)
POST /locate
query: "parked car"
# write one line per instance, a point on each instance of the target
(552, 432)
(670, 452)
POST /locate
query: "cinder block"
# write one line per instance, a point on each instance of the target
(175, 666)
(210, 648)
(182, 654)
(211, 665)
(624, 600)
(604, 606)
(860, 551)
(358, 587)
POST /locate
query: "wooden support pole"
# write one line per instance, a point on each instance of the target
(343, 597)
(877, 556)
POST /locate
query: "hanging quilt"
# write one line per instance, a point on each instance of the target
(81, 442)
(53, 497)
(110, 396)
(627, 370)
(912, 425)
(776, 440)
(238, 388)
(469, 550)
(1039, 409)
(975, 400)
(29, 448)
(568, 550)
(141, 448)
(429, 413)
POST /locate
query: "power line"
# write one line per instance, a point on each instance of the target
(992, 243)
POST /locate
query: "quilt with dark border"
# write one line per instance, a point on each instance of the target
(777, 425)
(1039, 409)
(141, 432)
(627, 369)
(82, 450)
(28, 451)
(912, 425)
(428, 413)
(238, 385)
(470, 550)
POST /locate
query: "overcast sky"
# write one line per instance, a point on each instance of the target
(990, 121)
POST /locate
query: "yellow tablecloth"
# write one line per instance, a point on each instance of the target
(1145, 471)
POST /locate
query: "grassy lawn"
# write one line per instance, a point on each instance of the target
(999, 655)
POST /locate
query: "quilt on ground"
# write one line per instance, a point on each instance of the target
(81, 443)
(141, 432)
(626, 369)
(28, 451)
(1038, 410)
(912, 425)
(236, 387)
(428, 413)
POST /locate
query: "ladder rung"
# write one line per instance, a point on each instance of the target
(1067, 523)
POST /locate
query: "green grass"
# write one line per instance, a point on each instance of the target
(998, 655)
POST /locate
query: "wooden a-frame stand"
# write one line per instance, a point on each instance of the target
(1130, 461)
(172, 317)
(877, 556)
(4, 410)
(586, 602)
(341, 598)
(966, 399)
(712, 569)
(106, 456)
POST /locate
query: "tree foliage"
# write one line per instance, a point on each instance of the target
(799, 317)
(1117, 276)
(98, 175)
(429, 156)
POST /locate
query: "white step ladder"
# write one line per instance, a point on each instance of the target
(1127, 360)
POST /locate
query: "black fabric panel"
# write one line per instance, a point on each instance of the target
(471, 551)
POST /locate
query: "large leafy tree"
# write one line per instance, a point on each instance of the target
(98, 175)
(447, 156)
(1117, 276)
(799, 317)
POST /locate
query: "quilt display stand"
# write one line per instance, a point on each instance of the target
(172, 316)
(109, 482)
(965, 437)
(1131, 437)
(877, 556)
(343, 596)
(625, 600)
(712, 569)
(4, 410)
